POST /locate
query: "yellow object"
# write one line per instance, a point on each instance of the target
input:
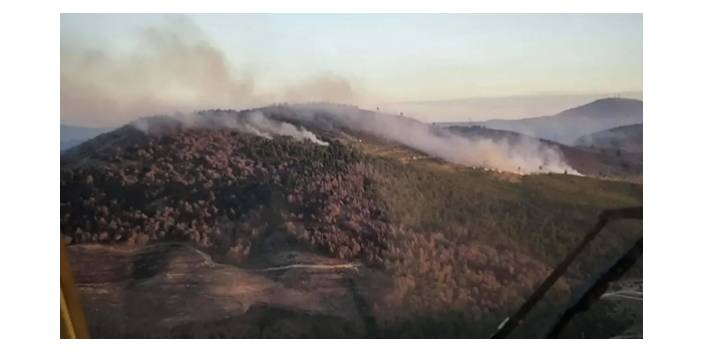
(73, 324)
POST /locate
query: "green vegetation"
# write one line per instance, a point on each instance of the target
(540, 215)
(472, 241)
(461, 247)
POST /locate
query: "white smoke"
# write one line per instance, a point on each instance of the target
(524, 156)
(173, 66)
(258, 124)
(253, 122)
(517, 154)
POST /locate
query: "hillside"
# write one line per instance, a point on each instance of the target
(163, 216)
(585, 158)
(567, 126)
(74, 135)
(626, 138)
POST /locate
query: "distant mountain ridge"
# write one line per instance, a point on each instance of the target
(74, 135)
(567, 126)
(607, 108)
(625, 138)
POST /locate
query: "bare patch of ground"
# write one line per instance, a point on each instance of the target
(168, 290)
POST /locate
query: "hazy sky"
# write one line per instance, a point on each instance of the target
(117, 67)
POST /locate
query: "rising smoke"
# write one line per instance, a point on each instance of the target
(524, 155)
(257, 123)
(250, 122)
(176, 68)
(172, 67)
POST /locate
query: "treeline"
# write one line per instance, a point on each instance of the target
(470, 241)
(223, 191)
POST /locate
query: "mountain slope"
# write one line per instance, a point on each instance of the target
(441, 249)
(565, 127)
(74, 135)
(626, 138)
(585, 159)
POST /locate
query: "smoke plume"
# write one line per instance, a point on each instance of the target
(251, 122)
(175, 67)
(257, 123)
(172, 67)
(523, 156)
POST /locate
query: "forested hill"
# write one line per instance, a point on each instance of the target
(446, 250)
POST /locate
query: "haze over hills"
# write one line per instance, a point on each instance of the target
(567, 126)
(299, 120)
(501, 107)
(467, 145)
